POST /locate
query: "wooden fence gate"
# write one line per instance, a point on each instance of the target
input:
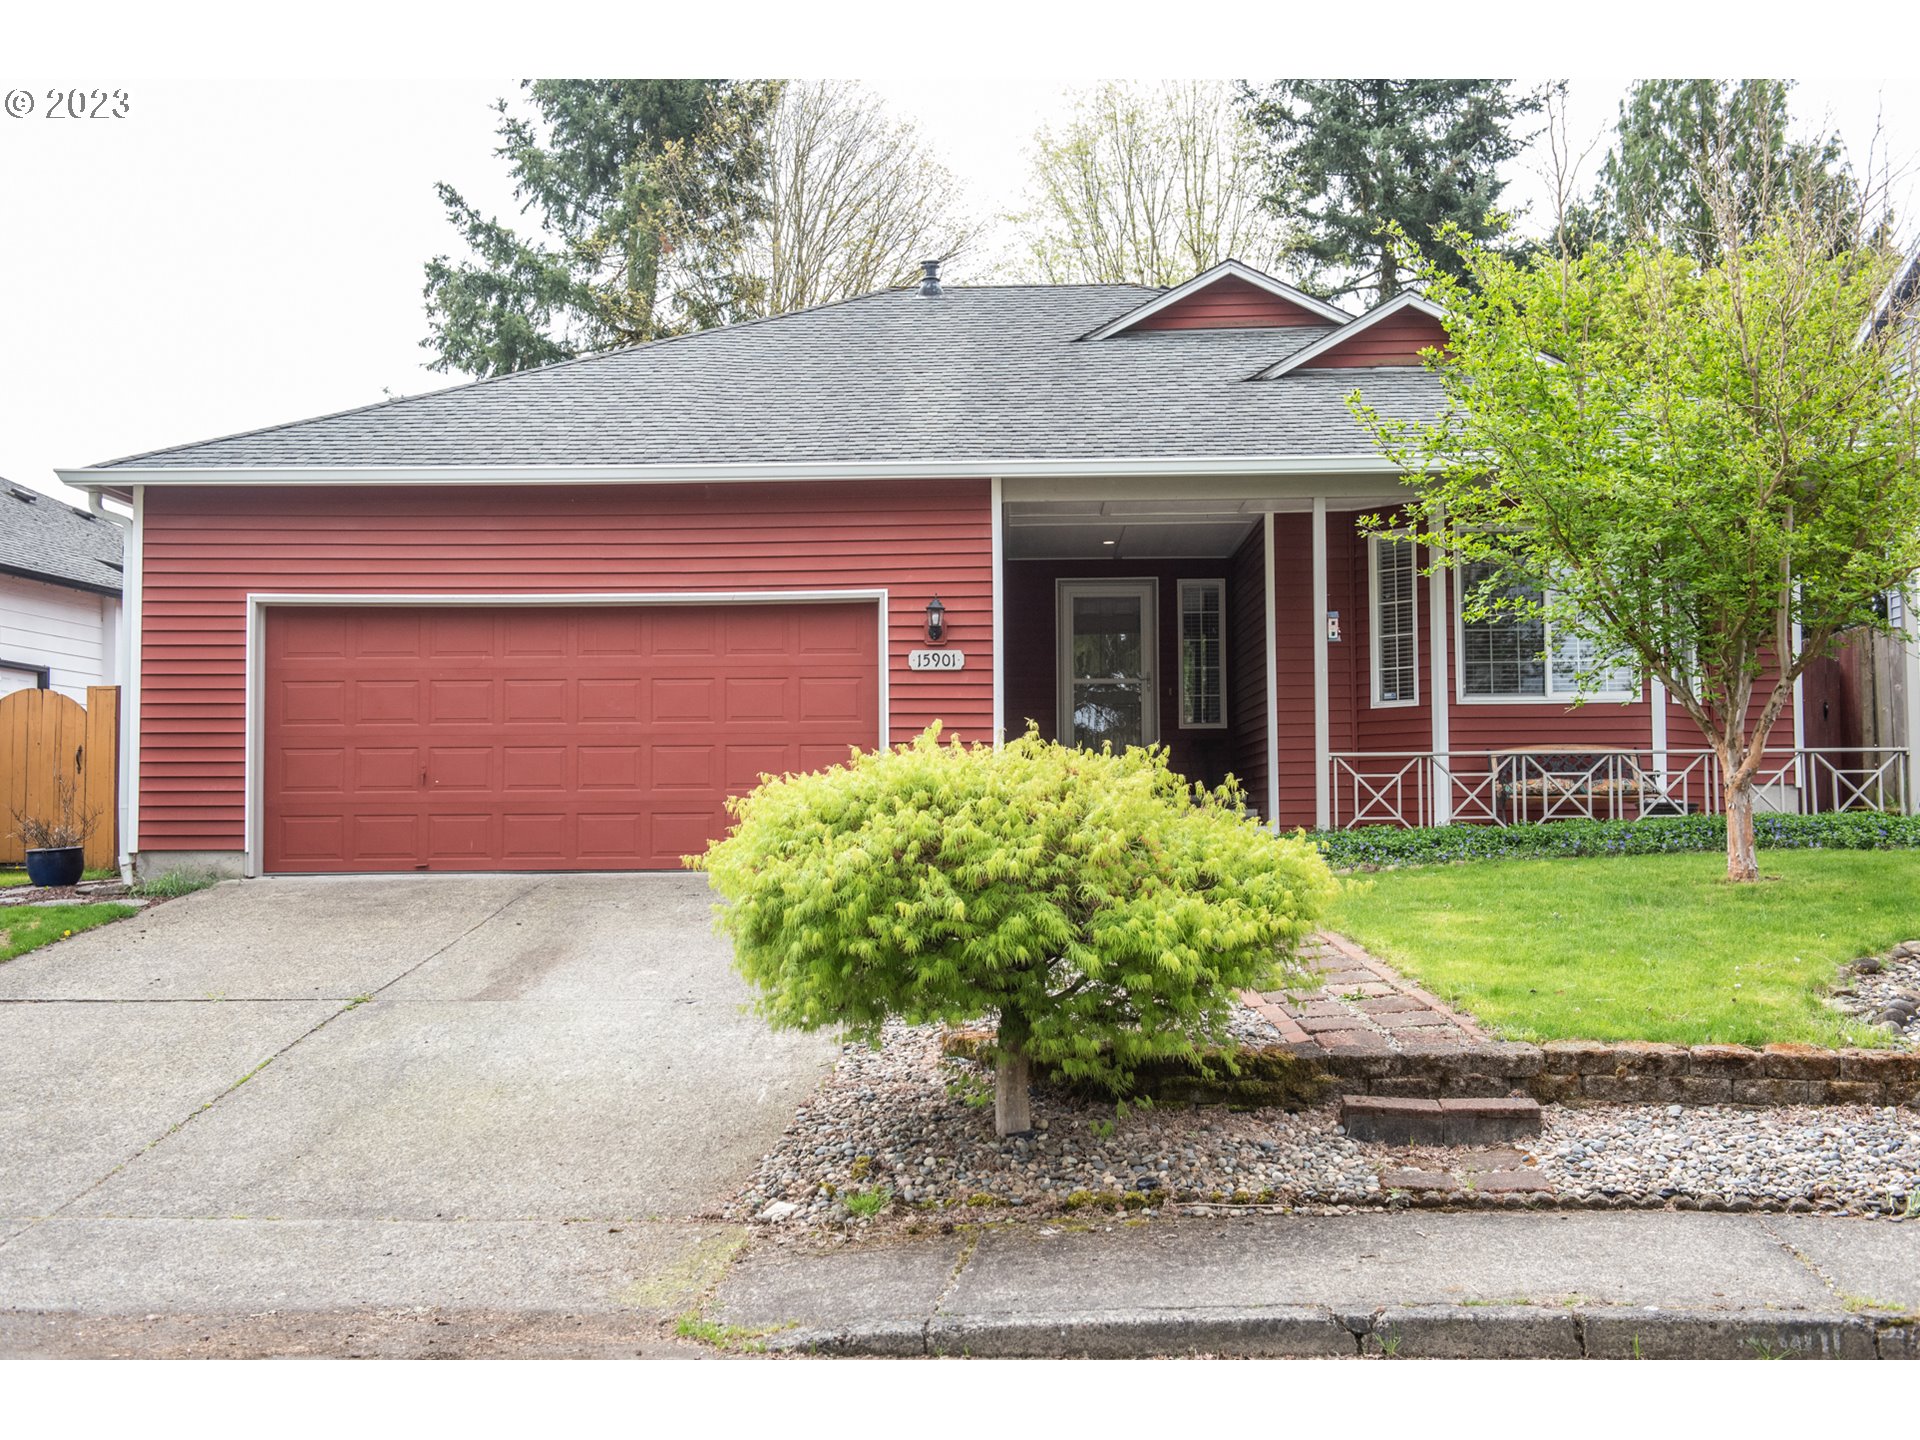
(45, 738)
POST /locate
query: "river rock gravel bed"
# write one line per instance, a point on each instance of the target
(1885, 990)
(910, 1129)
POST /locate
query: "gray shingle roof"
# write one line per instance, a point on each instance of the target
(50, 540)
(975, 374)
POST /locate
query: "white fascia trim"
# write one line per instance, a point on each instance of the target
(124, 477)
(1205, 278)
(1405, 300)
(255, 680)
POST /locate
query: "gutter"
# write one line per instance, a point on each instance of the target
(121, 479)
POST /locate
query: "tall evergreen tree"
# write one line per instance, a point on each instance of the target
(643, 191)
(1349, 157)
(1681, 145)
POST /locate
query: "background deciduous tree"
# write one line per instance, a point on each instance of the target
(642, 193)
(1345, 158)
(851, 200)
(1146, 185)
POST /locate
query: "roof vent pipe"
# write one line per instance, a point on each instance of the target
(929, 277)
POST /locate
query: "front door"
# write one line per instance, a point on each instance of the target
(1107, 650)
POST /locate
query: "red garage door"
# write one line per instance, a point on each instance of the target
(546, 738)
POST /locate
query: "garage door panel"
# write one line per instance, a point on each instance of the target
(609, 767)
(388, 632)
(460, 702)
(538, 702)
(534, 767)
(567, 738)
(460, 767)
(683, 699)
(386, 768)
(457, 633)
(313, 771)
(538, 632)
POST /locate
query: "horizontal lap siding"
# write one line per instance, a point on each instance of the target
(1247, 667)
(1230, 303)
(1397, 340)
(205, 550)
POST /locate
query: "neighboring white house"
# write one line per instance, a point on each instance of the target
(59, 596)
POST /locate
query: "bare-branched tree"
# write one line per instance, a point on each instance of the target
(1147, 185)
(853, 199)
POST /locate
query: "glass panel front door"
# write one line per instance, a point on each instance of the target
(1107, 663)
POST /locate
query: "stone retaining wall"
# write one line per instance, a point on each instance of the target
(1560, 1072)
(1574, 1072)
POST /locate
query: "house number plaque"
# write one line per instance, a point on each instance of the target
(936, 659)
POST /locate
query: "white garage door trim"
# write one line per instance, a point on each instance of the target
(257, 604)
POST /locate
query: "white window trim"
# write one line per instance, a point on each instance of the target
(1148, 589)
(1180, 612)
(1373, 623)
(1563, 698)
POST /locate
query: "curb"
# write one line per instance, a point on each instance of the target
(1455, 1332)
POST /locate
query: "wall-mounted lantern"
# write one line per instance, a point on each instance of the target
(936, 621)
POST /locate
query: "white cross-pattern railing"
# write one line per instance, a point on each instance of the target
(1508, 787)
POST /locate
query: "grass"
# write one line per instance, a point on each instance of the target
(175, 883)
(28, 927)
(11, 876)
(1655, 947)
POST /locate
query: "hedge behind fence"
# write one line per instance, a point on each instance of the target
(1389, 845)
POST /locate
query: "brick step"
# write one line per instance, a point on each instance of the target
(1395, 1120)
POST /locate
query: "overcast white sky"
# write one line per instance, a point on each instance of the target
(241, 253)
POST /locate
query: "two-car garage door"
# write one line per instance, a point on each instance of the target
(545, 737)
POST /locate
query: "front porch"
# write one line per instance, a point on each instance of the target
(1276, 631)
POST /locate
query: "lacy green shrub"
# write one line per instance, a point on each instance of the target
(1104, 910)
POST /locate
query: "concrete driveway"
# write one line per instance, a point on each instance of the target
(380, 1115)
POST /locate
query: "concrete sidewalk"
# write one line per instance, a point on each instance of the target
(1649, 1285)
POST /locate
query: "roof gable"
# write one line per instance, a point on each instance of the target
(1392, 334)
(1230, 296)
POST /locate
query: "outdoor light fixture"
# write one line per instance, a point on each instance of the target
(936, 621)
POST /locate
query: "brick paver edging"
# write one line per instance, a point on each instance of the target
(1572, 1072)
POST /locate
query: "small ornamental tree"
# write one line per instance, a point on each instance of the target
(1105, 911)
(1705, 471)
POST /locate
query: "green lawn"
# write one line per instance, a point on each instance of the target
(28, 927)
(10, 876)
(1655, 947)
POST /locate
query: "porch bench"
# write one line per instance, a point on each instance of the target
(1548, 774)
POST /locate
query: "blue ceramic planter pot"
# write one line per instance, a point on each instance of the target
(64, 866)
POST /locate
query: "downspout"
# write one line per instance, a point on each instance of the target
(129, 648)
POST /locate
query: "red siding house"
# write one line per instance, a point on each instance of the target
(552, 621)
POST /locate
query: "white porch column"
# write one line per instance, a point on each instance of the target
(1439, 687)
(1657, 690)
(998, 550)
(1273, 686)
(1322, 724)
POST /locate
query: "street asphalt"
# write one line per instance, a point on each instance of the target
(515, 1101)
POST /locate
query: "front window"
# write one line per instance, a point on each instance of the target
(1395, 630)
(1203, 698)
(1511, 655)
